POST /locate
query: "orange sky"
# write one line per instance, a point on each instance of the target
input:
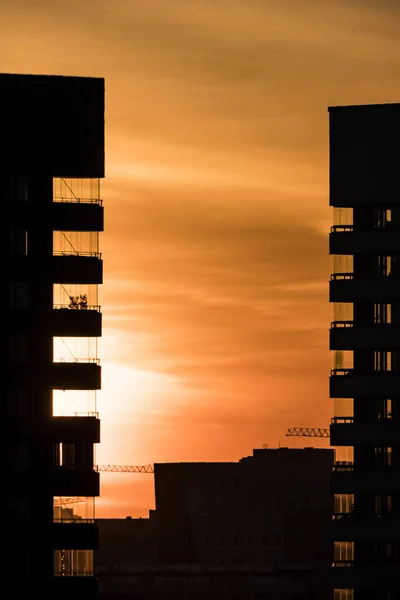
(215, 296)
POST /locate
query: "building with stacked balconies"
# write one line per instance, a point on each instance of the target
(51, 164)
(365, 336)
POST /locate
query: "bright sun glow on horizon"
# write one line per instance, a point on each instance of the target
(215, 248)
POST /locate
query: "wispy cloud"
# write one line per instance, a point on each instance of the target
(215, 297)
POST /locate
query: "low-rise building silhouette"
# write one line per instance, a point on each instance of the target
(266, 517)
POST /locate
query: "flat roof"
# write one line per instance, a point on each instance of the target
(388, 106)
(48, 76)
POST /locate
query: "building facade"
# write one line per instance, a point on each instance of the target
(365, 383)
(217, 583)
(51, 164)
(231, 514)
(257, 528)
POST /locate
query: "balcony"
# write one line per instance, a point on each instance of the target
(344, 240)
(346, 383)
(74, 482)
(76, 323)
(76, 429)
(77, 216)
(344, 288)
(344, 336)
(83, 268)
(76, 534)
(345, 480)
(346, 575)
(65, 588)
(75, 375)
(346, 528)
(344, 432)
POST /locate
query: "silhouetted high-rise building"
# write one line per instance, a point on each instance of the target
(51, 163)
(365, 384)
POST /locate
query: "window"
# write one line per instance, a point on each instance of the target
(19, 295)
(343, 594)
(343, 503)
(343, 551)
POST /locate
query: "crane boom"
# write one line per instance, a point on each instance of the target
(125, 468)
(58, 501)
(308, 432)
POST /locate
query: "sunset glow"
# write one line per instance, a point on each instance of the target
(215, 295)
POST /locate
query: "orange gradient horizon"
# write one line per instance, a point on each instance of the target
(216, 267)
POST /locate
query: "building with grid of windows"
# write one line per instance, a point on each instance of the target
(51, 163)
(365, 383)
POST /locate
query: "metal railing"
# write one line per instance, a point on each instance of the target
(79, 414)
(92, 307)
(343, 515)
(341, 228)
(342, 372)
(75, 574)
(75, 200)
(341, 324)
(77, 253)
(73, 519)
(343, 467)
(349, 324)
(340, 276)
(379, 419)
(72, 359)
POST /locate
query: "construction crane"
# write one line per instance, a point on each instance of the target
(308, 432)
(60, 501)
(64, 501)
(125, 468)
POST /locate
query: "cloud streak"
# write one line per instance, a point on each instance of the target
(215, 298)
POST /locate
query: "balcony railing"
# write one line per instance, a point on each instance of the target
(350, 228)
(350, 324)
(75, 573)
(75, 200)
(349, 466)
(72, 359)
(336, 276)
(337, 420)
(77, 253)
(382, 563)
(73, 520)
(352, 516)
(340, 324)
(367, 471)
(342, 372)
(94, 307)
(374, 277)
(345, 515)
(338, 228)
(350, 420)
(350, 372)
